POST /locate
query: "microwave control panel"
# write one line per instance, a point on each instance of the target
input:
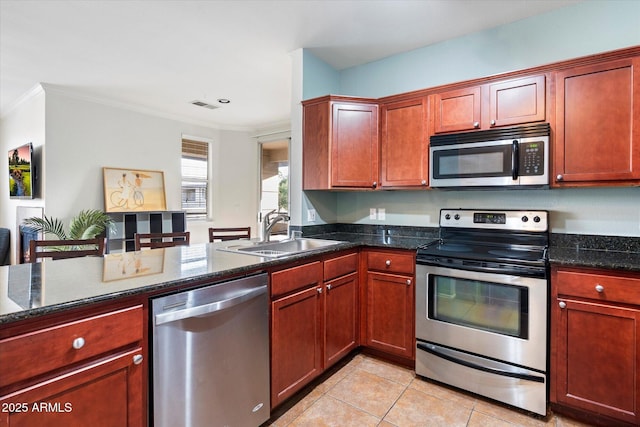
(531, 158)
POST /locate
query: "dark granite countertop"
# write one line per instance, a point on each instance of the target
(31, 290)
(607, 252)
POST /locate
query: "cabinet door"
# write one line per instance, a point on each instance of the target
(107, 393)
(340, 318)
(598, 359)
(598, 123)
(457, 110)
(517, 101)
(354, 147)
(405, 143)
(296, 352)
(390, 313)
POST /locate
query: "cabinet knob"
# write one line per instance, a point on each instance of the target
(562, 304)
(476, 124)
(328, 287)
(493, 122)
(137, 359)
(78, 343)
(423, 182)
(319, 290)
(559, 177)
(408, 281)
(599, 288)
(388, 262)
(375, 184)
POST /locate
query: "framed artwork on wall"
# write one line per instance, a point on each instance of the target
(129, 190)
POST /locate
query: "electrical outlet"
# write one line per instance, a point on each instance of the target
(311, 215)
(373, 214)
(382, 214)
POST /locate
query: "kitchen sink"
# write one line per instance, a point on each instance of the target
(279, 249)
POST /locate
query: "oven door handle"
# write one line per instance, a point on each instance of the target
(468, 364)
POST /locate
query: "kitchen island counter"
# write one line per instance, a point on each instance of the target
(32, 290)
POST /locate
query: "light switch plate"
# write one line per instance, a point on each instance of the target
(382, 214)
(372, 213)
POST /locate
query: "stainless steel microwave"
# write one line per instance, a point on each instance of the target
(508, 157)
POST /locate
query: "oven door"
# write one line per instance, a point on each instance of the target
(497, 316)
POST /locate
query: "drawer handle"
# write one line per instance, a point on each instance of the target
(388, 262)
(137, 359)
(409, 282)
(328, 287)
(562, 304)
(599, 288)
(319, 290)
(78, 343)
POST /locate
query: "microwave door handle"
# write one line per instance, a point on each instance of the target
(515, 156)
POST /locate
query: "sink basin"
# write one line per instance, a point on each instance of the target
(279, 249)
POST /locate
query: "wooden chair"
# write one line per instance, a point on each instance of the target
(233, 233)
(78, 248)
(161, 240)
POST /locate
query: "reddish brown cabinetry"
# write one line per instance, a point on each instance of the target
(89, 371)
(340, 143)
(502, 103)
(314, 321)
(405, 143)
(597, 138)
(595, 340)
(389, 306)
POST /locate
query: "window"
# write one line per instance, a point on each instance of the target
(195, 178)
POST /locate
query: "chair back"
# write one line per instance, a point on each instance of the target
(233, 233)
(161, 240)
(66, 248)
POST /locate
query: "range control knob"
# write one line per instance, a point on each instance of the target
(456, 217)
(536, 219)
(447, 216)
(525, 218)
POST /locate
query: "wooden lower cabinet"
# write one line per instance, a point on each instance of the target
(595, 341)
(390, 314)
(314, 323)
(100, 394)
(296, 352)
(389, 302)
(85, 370)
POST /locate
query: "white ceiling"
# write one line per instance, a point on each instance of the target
(159, 55)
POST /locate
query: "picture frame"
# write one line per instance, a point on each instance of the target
(133, 190)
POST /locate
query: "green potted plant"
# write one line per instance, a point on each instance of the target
(88, 224)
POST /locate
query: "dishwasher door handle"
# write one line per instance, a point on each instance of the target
(210, 308)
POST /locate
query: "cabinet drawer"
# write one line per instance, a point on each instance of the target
(296, 278)
(391, 262)
(35, 353)
(598, 285)
(340, 266)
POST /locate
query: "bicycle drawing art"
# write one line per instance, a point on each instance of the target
(127, 190)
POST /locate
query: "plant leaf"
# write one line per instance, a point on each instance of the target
(88, 224)
(47, 225)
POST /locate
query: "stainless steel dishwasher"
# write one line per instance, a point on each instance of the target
(211, 355)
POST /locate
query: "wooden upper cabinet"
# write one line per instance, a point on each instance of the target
(340, 144)
(501, 103)
(404, 143)
(597, 137)
(517, 101)
(457, 110)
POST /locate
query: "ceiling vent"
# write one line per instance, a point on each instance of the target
(204, 105)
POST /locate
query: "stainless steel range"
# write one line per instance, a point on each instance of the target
(482, 305)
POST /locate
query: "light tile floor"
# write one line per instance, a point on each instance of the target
(370, 392)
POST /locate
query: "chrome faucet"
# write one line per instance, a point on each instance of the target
(268, 223)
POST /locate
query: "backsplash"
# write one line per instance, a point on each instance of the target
(593, 242)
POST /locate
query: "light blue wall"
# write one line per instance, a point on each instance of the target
(578, 30)
(573, 31)
(320, 78)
